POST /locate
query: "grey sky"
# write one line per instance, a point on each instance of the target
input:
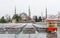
(37, 6)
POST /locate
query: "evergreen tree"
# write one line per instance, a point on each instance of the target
(9, 19)
(15, 16)
(40, 19)
(2, 20)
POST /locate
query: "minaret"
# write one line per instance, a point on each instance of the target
(41, 14)
(29, 12)
(15, 10)
(46, 12)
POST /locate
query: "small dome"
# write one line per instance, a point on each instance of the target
(23, 14)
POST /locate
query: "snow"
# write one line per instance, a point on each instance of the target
(21, 35)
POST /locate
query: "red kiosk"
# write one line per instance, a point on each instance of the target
(52, 24)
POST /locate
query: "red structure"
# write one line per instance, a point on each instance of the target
(52, 24)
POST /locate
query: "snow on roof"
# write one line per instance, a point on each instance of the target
(11, 25)
(29, 25)
(19, 25)
(41, 25)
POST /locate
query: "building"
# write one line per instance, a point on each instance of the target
(35, 18)
(24, 16)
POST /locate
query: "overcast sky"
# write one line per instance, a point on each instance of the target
(36, 6)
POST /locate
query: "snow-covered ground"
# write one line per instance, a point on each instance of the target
(21, 35)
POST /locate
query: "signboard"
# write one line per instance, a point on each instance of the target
(52, 17)
(29, 31)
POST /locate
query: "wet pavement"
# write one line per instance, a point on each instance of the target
(58, 32)
(37, 35)
(51, 35)
(57, 35)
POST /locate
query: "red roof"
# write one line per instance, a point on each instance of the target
(56, 19)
